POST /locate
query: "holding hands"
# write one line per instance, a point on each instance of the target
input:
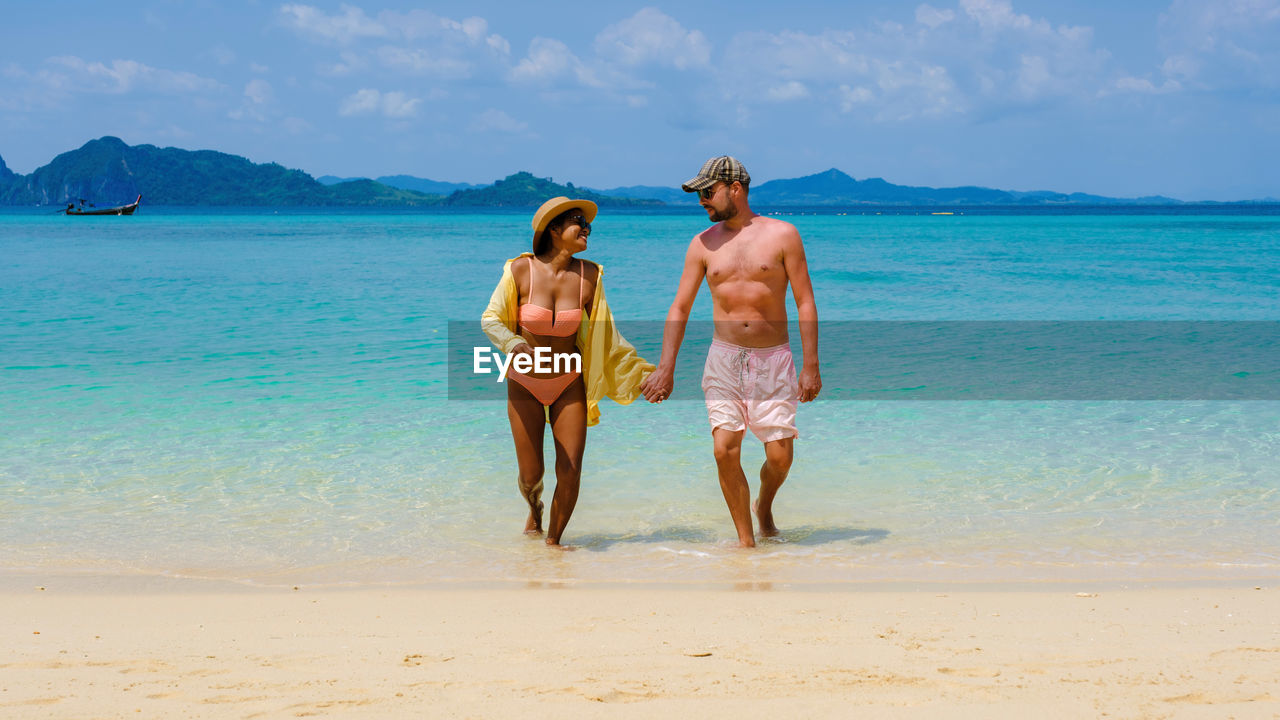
(658, 386)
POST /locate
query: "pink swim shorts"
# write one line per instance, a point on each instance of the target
(752, 388)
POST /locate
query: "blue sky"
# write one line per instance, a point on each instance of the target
(1178, 97)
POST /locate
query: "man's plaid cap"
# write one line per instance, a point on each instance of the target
(718, 169)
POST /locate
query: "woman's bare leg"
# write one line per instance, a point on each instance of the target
(528, 421)
(569, 430)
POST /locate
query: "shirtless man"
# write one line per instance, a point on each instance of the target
(750, 378)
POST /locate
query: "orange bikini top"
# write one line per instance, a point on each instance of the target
(543, 321)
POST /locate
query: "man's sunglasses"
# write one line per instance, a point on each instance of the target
(708, 193)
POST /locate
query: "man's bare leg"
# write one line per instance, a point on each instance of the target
(777, 463)
(733, 482)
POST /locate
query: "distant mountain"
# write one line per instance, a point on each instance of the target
(670, 195)
(1048, 197)
(834, 187)
(372, 193)
(107, 172)
(524, 190)
(408, 182)
(334, 179)
(423, 185)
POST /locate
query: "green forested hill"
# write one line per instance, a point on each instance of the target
(524, 190)
(109, 172)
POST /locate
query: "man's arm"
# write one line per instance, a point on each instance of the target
(658, 386)
(806, 312)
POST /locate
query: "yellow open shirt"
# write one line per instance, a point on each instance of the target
(610, 365)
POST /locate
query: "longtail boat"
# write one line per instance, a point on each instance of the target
(120, 210)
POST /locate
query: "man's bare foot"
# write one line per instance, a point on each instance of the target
(555, 543)
(767, 528)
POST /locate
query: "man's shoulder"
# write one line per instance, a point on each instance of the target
(779, 233)
(774, 226)
(711, 231)
(706, 237)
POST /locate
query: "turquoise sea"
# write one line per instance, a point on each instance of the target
(263, 398)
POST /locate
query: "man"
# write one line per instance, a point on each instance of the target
(750, 377)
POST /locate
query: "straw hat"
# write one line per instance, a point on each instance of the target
(553, 207)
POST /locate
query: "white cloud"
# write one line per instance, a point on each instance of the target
(843, 66)
(123, 76)
(1034, 77)
(652, 37)
(910, 90)
(932, 16)
(796, 55)
(422, 62)
(399, 105)
(997, 15)
(258, 95)
(547, 60)
(362, 102)
(977, 56)
(296, 126)
(369, 101)
(788, 91)
(223, 55)
(1144, 86)
(349, 63)
(498, 121)
(425, 25)
(258, 92)
(852, 97)
(417, 42)
(1222, 45)
(498, 44)
(345, 28)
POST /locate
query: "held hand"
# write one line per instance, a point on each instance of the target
(658, 386)
(810, 384)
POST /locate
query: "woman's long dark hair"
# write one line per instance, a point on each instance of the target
(544, 240)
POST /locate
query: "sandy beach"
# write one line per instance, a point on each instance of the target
(189, 650)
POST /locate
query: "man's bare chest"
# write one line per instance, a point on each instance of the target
(744, 261)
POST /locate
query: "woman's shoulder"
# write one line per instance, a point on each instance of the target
(519, 267)
(590, 270)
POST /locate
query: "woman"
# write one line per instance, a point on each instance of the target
(553, 300)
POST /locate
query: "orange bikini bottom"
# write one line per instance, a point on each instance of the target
(545, 390)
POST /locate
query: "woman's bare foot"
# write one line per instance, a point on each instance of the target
(767, 528)
(555, 543)
(533, 526)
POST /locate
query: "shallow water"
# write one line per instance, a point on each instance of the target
(263, 398)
